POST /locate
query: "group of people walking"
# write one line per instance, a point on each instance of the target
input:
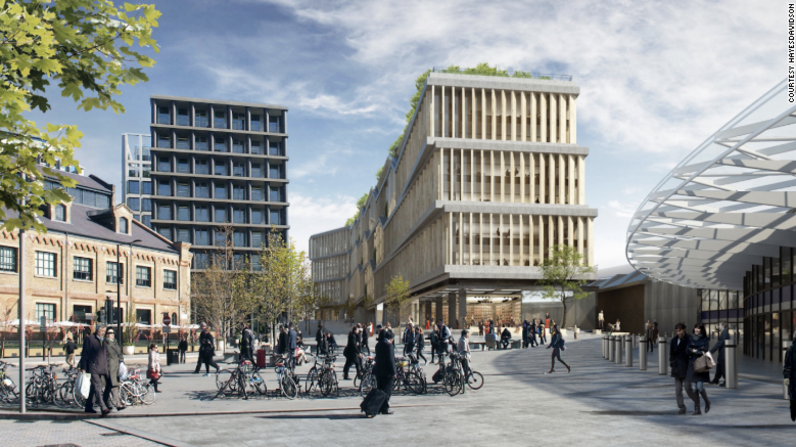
(102, 358)
(684, 351)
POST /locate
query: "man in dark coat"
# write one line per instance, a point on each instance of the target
(207, 349)
(789, 374)
(247, 344)
(525, 334)
(292, 343)
(678, 361)
(281, 344)
(352, 353)
(724, 335)
(532, 333)
(384, 369)
(94, 360)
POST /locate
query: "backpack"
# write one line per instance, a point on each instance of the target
(562, 344)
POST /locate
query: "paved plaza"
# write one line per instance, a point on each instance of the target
(598, 403)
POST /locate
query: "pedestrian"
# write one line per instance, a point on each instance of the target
(525, 334)
(678, 361)
(542, 332)
(320, 337)
(532, 333)
(556, 341)
(428, 324)
(115, 358)
(650, 337)
(153, 370)
(463, 348)
(331, 342)
(246, 344)
(351, 353)
(409, 338)
(183, 347)
(281, 345)
(698, 347)
(292, 344)
(207, 348)
(420, 343)
(724, 335)
(70, 348)
(384, 369)
(547, 321)
(434, 342)
(601, 320)
(616, 326)
(505, 338)
(94, 360)
(789, 373)
(445, 338)
(481, 328)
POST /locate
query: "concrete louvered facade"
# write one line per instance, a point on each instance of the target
(488, 178)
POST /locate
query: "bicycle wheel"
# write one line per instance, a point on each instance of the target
(288, 386)
(259, 384)
(368, 382)
(63, 396)
(414, 383)
(222, 377)
(79, 400)
(148, 394)
(328, 383)
(32, 394)
(475, 380)
(127, 393)
(453, 382)
(312, 380)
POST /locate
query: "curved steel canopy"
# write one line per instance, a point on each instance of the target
(731, 202)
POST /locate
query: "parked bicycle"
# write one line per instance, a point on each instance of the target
(8, 389)
(407, 377)
(323, 377)
(136, 389)
(286, 378)
(245, 379)
(41, 385)
(366, 381)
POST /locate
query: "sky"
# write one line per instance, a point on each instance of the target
(656, 79)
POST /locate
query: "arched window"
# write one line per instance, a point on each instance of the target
(174, 318)
(60, 213)
(123, 225)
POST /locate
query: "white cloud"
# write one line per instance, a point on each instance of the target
(310, 215)
(622, 209)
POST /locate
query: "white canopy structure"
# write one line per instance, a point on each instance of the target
(730, 203)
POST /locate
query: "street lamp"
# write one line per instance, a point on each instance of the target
(119, 287)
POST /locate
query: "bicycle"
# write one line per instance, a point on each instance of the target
(407, 377)
(284, 377)
(244, 376)
(42, 385)
(367, 382)
(8, 389)
(452, 377)
(415, 368)
(136, 389)
(318, 376)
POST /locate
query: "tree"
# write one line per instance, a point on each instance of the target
(562, 276)
(223, 292)
(86, 47)
(396, 293)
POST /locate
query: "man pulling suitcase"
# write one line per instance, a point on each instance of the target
(378, 400)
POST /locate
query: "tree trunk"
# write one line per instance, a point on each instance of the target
(564, 302)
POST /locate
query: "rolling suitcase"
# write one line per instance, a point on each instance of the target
(373, 402)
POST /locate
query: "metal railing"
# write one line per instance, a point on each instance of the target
(507, 73)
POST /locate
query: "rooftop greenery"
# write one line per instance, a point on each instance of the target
(482, 69)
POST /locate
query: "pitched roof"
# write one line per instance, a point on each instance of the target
(92, 181)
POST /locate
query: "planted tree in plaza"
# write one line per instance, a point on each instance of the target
(561, 276)
(284, 288)
(85, 48)
(396, 294)
(223, 292)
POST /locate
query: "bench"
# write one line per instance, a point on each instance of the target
(478, 345)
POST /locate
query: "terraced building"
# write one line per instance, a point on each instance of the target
(488, 177)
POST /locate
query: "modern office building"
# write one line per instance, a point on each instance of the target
(216, 163)
(136, 181)
(488, 177)
(724, 219)
(92, 245)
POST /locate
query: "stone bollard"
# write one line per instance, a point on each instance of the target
(618, 343)
(731, 364)
(635, 340)
(629, 350)
(642, 353)
(603, 345)
(611, 348)
(663, 362)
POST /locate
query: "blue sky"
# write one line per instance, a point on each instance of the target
(657, 78)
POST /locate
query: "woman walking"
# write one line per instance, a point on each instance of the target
(154, 371)
(555, 343)
(697, 347)
(115, 357)
(420, 343)
(789, 373)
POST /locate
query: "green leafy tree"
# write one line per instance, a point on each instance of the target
(396, 294)
(563, 275)
(84, 47)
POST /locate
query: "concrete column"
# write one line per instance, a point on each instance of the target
(428, 315)
(452, 310)
(438, 316)
(462, 307)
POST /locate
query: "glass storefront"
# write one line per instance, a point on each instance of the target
(768, 306)
(720, 305)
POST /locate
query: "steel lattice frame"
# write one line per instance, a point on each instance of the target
(731, 202)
